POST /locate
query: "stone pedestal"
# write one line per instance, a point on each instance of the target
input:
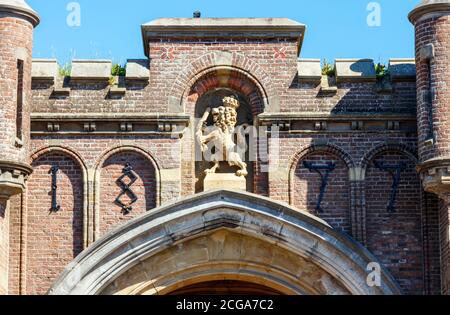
(224, 181)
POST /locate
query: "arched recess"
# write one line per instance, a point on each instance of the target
(110, 167)
(305, 185)
(206, 89)
(223, 235)
(395, 234)
(223, 61)
(59, 233)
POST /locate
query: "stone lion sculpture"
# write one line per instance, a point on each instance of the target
(221, 134)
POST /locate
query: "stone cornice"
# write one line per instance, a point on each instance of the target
(338, 117)
(108, 124)
(10, 165)
(109, 117)
(436, 6)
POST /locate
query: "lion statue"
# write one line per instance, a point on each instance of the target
(221, 134)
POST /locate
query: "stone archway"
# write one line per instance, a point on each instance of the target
(222, 236)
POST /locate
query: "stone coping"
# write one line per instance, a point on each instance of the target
(402, 69)
(47, 69)
(222, 27)
(91, 69)
(355, 70)
(427, 7)
(20, 7)
(309, 70)
(44, 69)
(138, 69)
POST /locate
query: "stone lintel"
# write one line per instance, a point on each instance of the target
(355, 70)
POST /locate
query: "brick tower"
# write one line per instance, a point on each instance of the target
(431, 19)
(17, 21)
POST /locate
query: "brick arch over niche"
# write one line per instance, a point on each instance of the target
(395, 236)
(54, 238)
(129, 176)
(306, 185)
(225, 78)
(220, 60)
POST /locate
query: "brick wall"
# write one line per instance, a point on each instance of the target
(16, 244)
(54, 239)
(396, 238)
(335, 204)
(4, 243)
(432, 246)
(183, 70)
(444, 212)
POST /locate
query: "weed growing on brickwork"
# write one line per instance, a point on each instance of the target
(64, 71)
(118, 70)
(381, 70)
(327, 68)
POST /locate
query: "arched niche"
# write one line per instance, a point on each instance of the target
(306, 185)
(213, 99)
(54, 235)
(141, 177)
(208, 90)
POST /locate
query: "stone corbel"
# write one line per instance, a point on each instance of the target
(435, 176)
(167, 127)
(13, 176)
(282, 126)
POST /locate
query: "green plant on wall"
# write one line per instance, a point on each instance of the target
(118, 70)
(327, 68)
(381, 70)
(64, 71)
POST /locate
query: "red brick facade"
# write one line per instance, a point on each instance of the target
(355, 126)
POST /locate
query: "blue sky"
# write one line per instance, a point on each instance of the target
(110, 29)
